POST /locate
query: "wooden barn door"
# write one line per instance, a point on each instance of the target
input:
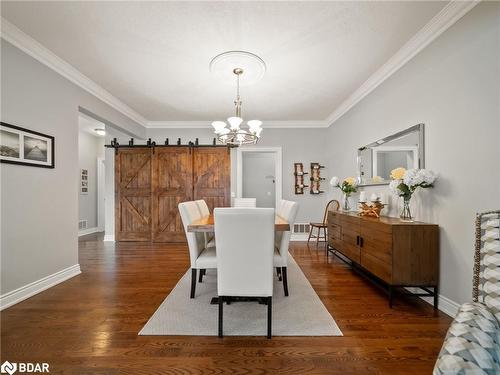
(211, 176)
(133, 194)
(171, 184)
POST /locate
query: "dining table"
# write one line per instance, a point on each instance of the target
(206, 224)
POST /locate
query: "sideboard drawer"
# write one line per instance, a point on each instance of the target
(334, 217)
(334, 231)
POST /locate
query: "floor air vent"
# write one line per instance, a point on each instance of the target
(82, 224)
(301, 228)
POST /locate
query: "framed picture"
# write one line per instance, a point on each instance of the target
(26, 147)
(84, 182)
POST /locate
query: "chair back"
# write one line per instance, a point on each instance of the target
(486, 261)
(245, 202)
(333, 202)
(245, 247)
(288, 211)
(190, 212)
(203, 207)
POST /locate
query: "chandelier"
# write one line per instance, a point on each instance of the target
(231, 133)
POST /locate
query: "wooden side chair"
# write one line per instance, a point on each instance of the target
(322, 225)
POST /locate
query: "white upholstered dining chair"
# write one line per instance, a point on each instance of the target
(209, 236)
(201, 257)
(245, 202)
(288, 211)
(245, 243)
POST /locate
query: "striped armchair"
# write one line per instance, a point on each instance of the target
(472, 344)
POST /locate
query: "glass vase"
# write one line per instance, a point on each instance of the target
(346, 202)
(406, 212)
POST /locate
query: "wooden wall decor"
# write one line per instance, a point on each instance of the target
(316, 178)
(299, 178)
(152, 180)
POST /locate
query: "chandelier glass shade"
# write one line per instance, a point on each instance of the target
(231, 132)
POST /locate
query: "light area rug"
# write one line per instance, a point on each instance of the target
(300, 314)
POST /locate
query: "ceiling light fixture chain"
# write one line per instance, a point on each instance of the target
(238, 102)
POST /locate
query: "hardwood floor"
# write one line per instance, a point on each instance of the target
(89, 324)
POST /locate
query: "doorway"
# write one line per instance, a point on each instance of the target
(259, 175)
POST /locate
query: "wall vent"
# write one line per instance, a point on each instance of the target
(82, 224)
(301, 228)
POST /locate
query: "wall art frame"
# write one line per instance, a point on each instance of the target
(26, 147)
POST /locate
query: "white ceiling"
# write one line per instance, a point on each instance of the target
(154, 56)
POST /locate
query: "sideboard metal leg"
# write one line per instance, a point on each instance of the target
(436, 297)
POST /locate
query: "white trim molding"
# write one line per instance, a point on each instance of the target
(446, 305)
(26, 43)
(291, 124)
(27, 291)
(299, 237)
(441, 22)
(109, 238)
(84, 232)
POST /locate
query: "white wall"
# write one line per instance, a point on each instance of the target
(453, 87)
(298, 145)
(39, 207)
(90, 148)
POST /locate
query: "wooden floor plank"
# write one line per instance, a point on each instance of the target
(89, 324)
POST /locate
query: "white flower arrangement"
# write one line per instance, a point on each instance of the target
(405, 182)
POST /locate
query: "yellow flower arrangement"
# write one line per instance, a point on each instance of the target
(398, 173)
(350, 181)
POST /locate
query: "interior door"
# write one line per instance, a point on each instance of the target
(211, 176)
(171, 184)
(133, 194)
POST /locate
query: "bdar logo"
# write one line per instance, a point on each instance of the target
(8, 367)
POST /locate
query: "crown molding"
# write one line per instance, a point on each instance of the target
(27, 44)
(206, 124)
(441, 22)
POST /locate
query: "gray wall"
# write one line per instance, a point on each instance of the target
(89, 149)
(453, 87)
(298, 145)
(39, 207)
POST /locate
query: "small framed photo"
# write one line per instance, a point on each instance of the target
(26, 147)
(84, 181)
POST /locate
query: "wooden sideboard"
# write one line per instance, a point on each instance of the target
(398, 253)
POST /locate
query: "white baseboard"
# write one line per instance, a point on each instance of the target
(445, 304)
(27, 291)
(109, 237)
(299, 236)
(83, 232)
